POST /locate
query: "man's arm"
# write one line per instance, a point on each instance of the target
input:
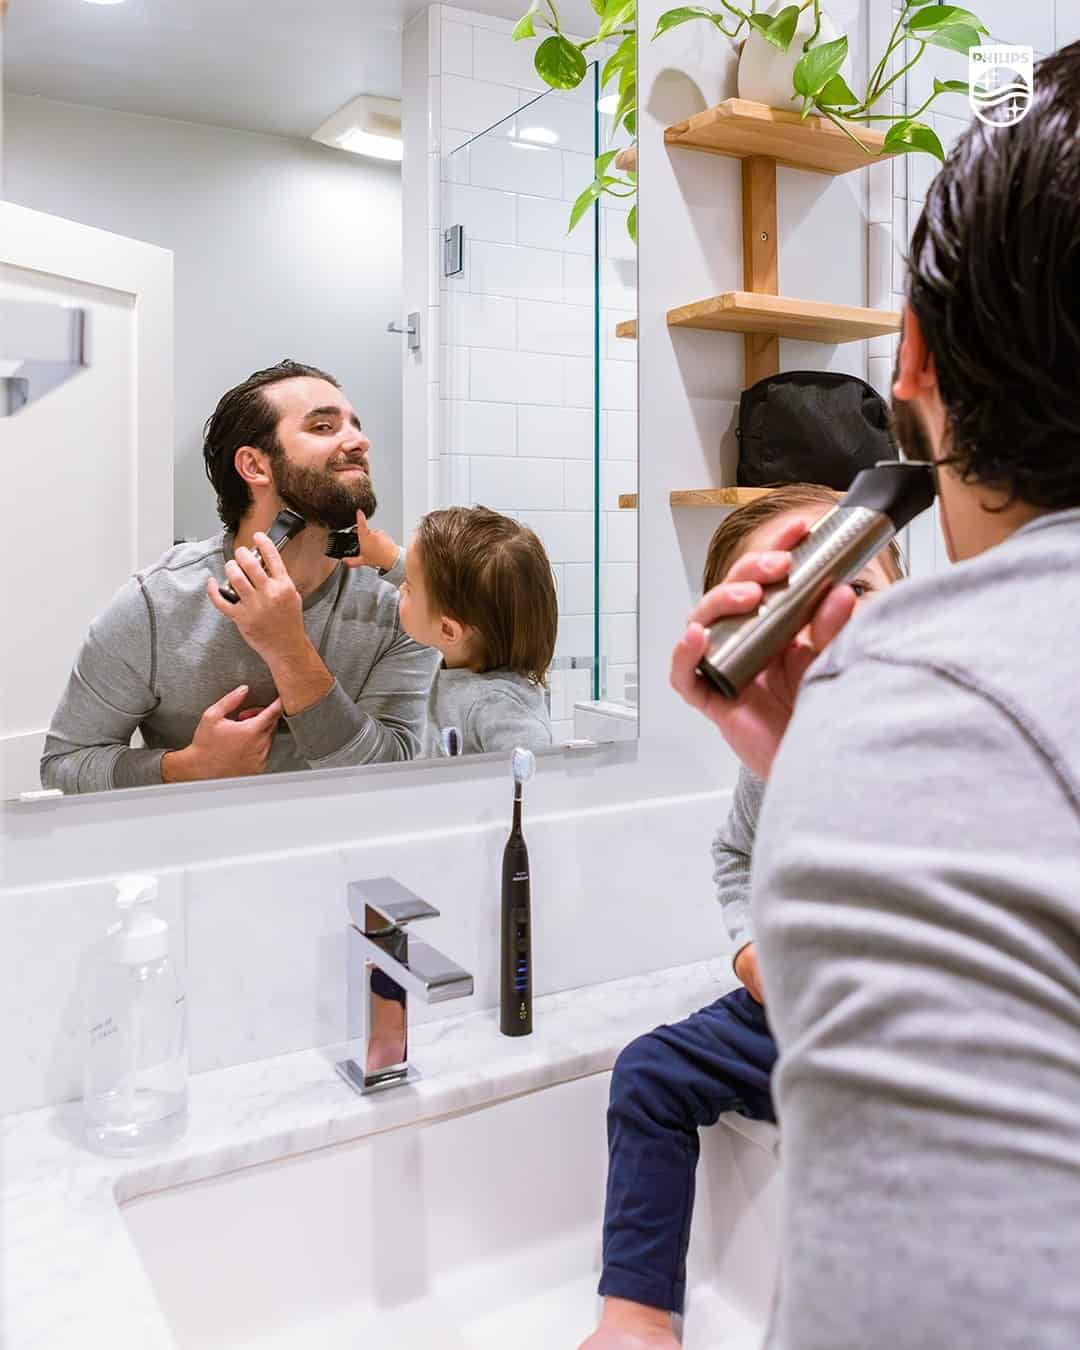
(109, 693)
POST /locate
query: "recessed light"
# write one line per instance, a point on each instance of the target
(365, 126)
(609, 104)
(539, 135)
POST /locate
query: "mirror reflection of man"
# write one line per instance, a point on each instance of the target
(308, 668)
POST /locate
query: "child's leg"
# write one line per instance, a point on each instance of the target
(665, 1086)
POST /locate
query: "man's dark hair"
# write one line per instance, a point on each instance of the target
(244, 416)
(994, 280)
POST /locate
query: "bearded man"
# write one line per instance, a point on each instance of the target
(307, 668)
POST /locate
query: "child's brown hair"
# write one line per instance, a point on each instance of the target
(491, 573)
(731, 535)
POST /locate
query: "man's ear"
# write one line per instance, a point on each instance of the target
(252, 465)
(915, 374)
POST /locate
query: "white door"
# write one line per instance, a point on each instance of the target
(86, 471)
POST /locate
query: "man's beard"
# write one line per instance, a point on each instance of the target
(908, 426)
(322, 496)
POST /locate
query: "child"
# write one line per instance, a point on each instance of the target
(479, 588)
(675, 1079)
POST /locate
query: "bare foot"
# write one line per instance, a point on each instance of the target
(632, 1326)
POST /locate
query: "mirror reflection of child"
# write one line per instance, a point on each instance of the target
(477, 586)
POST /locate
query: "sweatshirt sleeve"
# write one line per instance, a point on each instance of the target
(386, 721)
(395, 575)
(108, 694)
(732, 848)
(501, 722)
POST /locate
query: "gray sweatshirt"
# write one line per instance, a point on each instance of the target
(495, 710)
(732, 847)
(916, 901)
(160, 654)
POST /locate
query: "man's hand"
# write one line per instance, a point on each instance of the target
(754, 723)
(224, 746)
(749, 972)
(377, 548)
(269, 611)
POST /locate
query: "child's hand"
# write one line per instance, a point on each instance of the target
(747, 969)
(377, 548)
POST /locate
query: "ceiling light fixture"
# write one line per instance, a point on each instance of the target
(609, 104)
(366, 126)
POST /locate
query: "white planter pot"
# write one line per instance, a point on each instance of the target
(765, 73)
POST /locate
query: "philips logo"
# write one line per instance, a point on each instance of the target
(1000, 83)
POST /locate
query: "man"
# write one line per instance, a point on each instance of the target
(917, 875)
(308, 667)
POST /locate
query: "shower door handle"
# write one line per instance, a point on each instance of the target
(412, 329)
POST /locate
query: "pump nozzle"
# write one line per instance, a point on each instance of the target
(134, 890)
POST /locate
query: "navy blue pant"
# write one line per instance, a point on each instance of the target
(665, 1086)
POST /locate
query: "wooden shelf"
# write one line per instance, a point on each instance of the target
(626, 329)
(811, 320)
(728, 496)
(741, 128)
(626, 160)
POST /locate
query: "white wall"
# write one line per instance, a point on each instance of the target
(282, 248)
(619, 837)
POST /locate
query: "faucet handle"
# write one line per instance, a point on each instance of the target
(388, 898)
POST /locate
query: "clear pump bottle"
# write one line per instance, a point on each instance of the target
(135, 1067)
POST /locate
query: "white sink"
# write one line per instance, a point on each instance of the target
(472, 1232)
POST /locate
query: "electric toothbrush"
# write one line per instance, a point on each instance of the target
(515, 1005)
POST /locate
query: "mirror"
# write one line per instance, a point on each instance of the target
(266, 193)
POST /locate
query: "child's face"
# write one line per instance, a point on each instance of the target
(419, 619)
(873, 578)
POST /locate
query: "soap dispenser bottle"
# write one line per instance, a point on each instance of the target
(135, 1065)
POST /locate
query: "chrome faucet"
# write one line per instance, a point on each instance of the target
(385, 965)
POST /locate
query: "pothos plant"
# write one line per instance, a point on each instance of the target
(816, 79)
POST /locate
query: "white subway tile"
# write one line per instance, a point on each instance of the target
(618, 284)
(457, 48)
(578, 172)
(498, 58)
(557, 695)
(542, 222)
(484, 213)
(618, 385)
(553, 120)
(482, 429)
(563, 329)
(621, 539)
(617, 477)
(515, 377)
(619, 435)
(514, 166)
(517, 484)
(576, 636)
(508, 269)
(439, 483)
(879, 265)
(480, 320)
(618, 588)
(567, 536)
(454, 372)
(1068, 23)
(557, 433)
(616, 348)
(580, 387)
(879, 371)
(580, 483)
(461, 493)
(616, 240)
(579, 279)
(618, 637)
(562, 731)
(577, 596)
(478, 106)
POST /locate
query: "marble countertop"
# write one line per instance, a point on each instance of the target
(71, 1276)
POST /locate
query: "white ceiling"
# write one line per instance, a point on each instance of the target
(279, 66)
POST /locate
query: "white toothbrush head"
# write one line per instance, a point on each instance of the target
(522, 765)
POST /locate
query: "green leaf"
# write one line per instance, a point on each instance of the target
(630, 122)
(951, 86)
(602, 161)
(600, 5)
(631, 223)
(526, 28)
(909, 136)
(627, 103)
(817, 67)
(617, 13)
(559, 62)
(836, 93)
(684, 14)
(958, 38)
(780, 29)
(943, 16)
(624, 56)
(584, 201)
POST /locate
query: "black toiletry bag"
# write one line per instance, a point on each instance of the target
(811, 426)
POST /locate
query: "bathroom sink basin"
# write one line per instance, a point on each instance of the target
(471, 1232)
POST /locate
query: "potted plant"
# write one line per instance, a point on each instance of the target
(789, 56)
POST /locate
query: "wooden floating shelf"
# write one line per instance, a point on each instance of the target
(626, 160)
(810, 320)
(741, 128)
(626, 329)
(727, 496)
